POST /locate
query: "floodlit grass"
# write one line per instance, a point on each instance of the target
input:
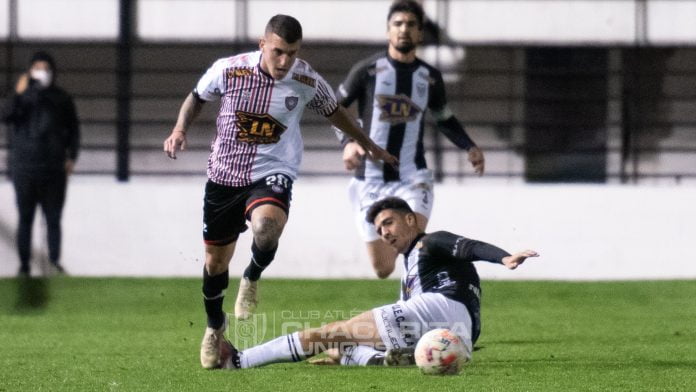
(75, 334)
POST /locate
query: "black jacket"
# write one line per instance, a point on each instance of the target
(43, 129)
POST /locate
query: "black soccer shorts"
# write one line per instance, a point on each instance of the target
(226, 209)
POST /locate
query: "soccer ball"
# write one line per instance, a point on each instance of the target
(441, 351)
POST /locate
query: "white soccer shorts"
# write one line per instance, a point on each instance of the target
(402, 324)
(417, 192)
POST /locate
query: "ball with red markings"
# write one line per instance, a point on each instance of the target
(441, 351)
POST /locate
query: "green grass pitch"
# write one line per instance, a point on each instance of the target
(77, 334)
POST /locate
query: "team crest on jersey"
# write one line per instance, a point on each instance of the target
(304, 79)
(291, 102)
(257, 128)
(397, 109)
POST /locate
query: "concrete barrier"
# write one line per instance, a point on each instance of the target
(151, 227)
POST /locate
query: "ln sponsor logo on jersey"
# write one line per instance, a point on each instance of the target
(397, 109)
(257, 128)
(291, 102)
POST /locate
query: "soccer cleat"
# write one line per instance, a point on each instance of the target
(229, 355)
(403, 356)
(246, 302)
(210, 346)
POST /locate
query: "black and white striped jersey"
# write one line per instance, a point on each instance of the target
(441, 262)
(392, 98)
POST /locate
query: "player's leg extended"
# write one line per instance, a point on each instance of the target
(383, 257)
(360, 330)
(267, 223)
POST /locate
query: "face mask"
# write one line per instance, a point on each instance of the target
(43, 77)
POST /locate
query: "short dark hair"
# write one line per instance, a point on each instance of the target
(388, 203)
(410, 6)
(286, 27)
(43, 56)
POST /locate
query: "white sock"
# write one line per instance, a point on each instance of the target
(282, 349)
(360, 355)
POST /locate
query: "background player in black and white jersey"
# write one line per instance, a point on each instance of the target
(254, 159)
(440, 289)
(392, 91)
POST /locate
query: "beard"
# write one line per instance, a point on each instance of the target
(405, 47)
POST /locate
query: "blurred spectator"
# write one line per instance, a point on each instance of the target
(44, 140)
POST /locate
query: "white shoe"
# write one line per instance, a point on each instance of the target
(246, 302)
(210, 346)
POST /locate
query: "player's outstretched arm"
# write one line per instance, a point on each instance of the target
(188, 112)
(343, 121)
(514, 260)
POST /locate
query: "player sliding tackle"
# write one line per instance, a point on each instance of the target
(440, 289)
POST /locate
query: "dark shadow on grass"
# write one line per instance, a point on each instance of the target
(524, 342)
(32, 294)
(673, 364)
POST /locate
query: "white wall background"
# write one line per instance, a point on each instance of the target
(151, 227)
(658, 22)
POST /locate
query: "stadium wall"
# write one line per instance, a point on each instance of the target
(151, 227)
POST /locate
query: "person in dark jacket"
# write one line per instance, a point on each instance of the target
(44, 140)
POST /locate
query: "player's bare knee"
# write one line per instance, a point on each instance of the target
(267, 231)
(383, 268)
(382, 273)
(215, 267)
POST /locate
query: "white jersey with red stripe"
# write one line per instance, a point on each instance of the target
(258, 125)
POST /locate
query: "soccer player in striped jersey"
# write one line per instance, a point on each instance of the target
(392, 91)
(440, 289)
(254, 159)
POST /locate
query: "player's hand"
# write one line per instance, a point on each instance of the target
(22, 83)
(175, 141)
(477, 160)
(513, 261)
(377, 153)
(353, 155)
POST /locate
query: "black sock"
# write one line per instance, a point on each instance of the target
(213, 295)
(259, 261)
